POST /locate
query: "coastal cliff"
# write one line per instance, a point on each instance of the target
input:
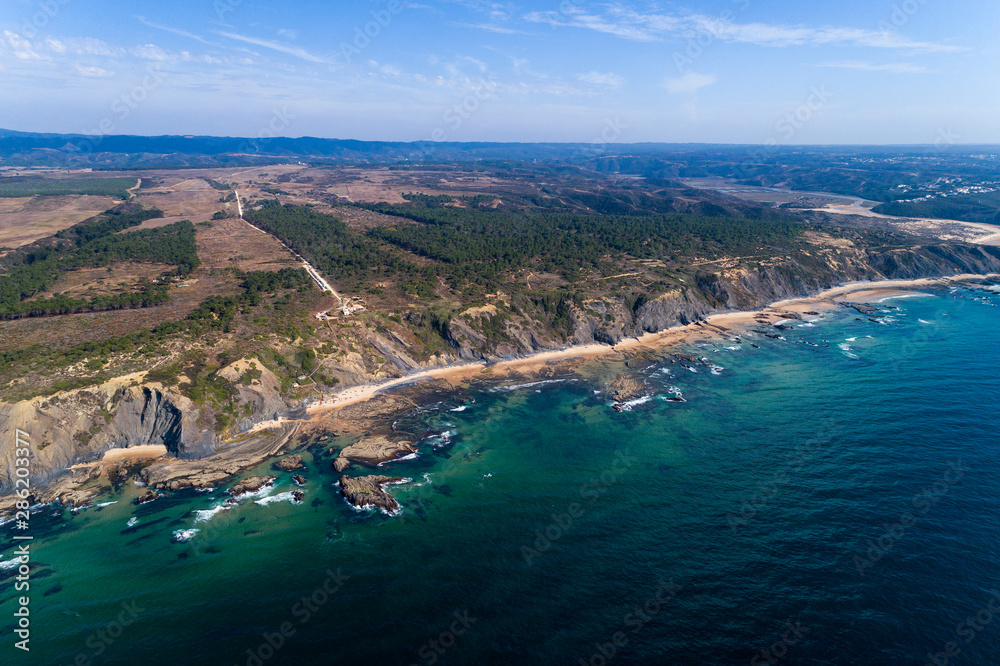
(78, 426)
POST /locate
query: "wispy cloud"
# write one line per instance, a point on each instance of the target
(892, 67)
(689, 83)
(629, 24)
(601, 79)
(92, 72)
(150, 52)
(20, 47)
(176, 31)
(277, 46)
(491, 27)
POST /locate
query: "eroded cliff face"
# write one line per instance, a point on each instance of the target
(78, 426)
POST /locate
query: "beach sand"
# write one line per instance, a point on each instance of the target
(714, 326)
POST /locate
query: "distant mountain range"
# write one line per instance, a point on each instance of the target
(34, 149)
(125, 151)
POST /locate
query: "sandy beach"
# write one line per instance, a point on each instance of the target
(141, 452)
(714, 326)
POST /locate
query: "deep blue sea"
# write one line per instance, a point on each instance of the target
(829, 498)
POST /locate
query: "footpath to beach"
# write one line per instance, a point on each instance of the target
(711, 326)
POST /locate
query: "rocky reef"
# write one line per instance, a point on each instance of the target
(251, 485)
(373, 450)
(292, 463)
(366, 491)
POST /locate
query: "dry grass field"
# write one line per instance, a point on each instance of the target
(28, 219)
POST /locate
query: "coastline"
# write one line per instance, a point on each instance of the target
(714, 325)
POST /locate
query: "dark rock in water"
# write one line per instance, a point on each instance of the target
(147, 498)
(784, 327)
(251, 485)
(52, 590)
(290, 464)
(365, 491)
(299, 480)
(625, 388)
(297, 495)
(340, 464)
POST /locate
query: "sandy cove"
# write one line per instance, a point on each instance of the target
(712, 327)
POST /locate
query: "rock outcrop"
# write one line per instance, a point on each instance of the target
(372, 451)
(290, 464)
(251, 485)
(366, 491)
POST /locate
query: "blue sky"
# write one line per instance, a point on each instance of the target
(727, 71)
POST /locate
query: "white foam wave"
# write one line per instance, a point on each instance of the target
(629, 404)
(207, 514)
(10, 564)
(515, 387)
(280, 497)
(185, 535)
(132, 522)
(409, 456)
(104, 504)
(460, 408)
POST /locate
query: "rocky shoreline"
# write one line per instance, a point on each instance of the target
(367, 420)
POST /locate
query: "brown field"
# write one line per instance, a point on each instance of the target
(164, 221)
(26, 220)
(224, 244)
(115, 279)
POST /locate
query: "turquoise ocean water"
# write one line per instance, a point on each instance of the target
(806, 504)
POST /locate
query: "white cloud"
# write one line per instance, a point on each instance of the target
(20, 48)
(55, 46)
(892, 67)
(689, 83)
(601, 79)
(290, 34)
(627, 23)
(91, 46)
(150, 52)
(92, 72)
